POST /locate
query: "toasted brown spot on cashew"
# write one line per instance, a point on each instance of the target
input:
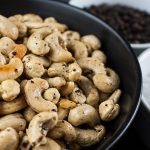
(88, 137)
(90, 91)
(83, 114)
(62, 113)
(107, 82)
(39, 126)
(33, 91)
(15, 121)
(12, 70)
(63, 129)
(13, 106)
(67, 104)
(109, 109)
(7, 28)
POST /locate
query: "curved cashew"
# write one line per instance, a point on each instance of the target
(13, 106)
(32, 18)
(71, 72)
(36, 43)
(90, 91)
(39, 126)
(67, 104)
(9, 90)
(12, 70)
(78, 49)
(52, 94)
(58, 52)
(56, 82)
(88, 137)
(64, 130)
(29, 113)
(62, 113)
(77, 95)
(109, 109)
(35, 65)
(33, 93)
(9, 139)
(82, 114)
(7, 28)
(91, 42)
(14, 121)
(67, 89)
(107, 82)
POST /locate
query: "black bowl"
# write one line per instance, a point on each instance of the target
(119, 53)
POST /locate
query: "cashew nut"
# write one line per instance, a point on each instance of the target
(39, 126)
(83, 114)
(12, 70)
(24, 144)
(15, 121)
(7, 28)
(67, 104)
(64, 130)
(9, 90)
(91, 136)
(35, 65)
(107, 82)
(109, 109)
(9, 139)
(32, 18)
(33, 93)
(62, 113)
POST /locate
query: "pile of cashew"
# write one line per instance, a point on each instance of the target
(55, 88)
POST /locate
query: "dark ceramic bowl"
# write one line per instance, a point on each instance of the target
(118, 51)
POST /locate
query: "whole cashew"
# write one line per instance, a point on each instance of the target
(83, 114)
(107, 82)
(88, 137)
(67, 104)
(71, 72)
(64, 130)
(32, 18)
(12, 70)
(33, 93)
(14, 121)
(29, 113)
(91, 42)
(109, 109)
(78, 49)
(58, 52)
(39, 127)
(62, 113)
(90, 91)
(7, 28)
(9, 90)
(77, 95)
(13, 106)
(9, 139)
(35, 65)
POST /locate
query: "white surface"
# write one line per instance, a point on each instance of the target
(144, 60)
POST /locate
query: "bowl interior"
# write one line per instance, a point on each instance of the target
(120, 56)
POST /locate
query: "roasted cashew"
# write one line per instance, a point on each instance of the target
(77, 95)
(91, 42)
(12, 70)
(78, 49)
(58, 52)
(52, 94)
(88, 137)
(13, 106)
(34, 66)
(39, 127)
(90, 91)
(9, 90)
(67, 104)
(9, 139)
(7, 28)
(29, 113)
(14, 121)
(36, 43)
(107, 82)
(33, 93)
(64, 130)
(109, 109)
(83, 114)
(62, 113)
(71, 72)
(32, 18)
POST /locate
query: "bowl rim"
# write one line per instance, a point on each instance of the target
(140, 45)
